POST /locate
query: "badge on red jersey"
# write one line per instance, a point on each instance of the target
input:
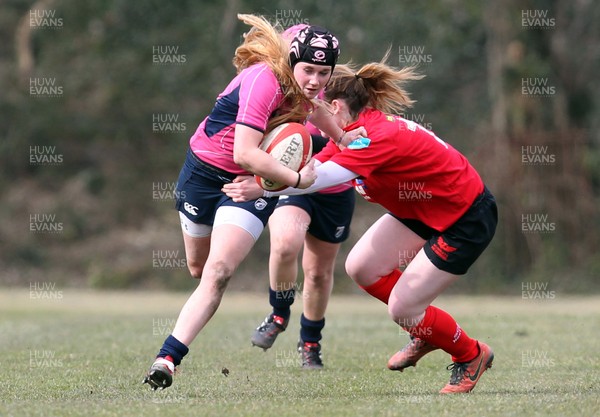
(361, 188)
(359, 143)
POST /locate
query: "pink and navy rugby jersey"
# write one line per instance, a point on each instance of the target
(249, 99)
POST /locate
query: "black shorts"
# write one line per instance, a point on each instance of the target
(458, 247)
(199, 195)
(330, 214)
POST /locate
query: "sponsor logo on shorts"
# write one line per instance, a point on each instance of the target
(193, 210)
(442, 249)
(260, 204)
(339, 231)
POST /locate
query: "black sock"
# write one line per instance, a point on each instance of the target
(310, 331)
(173, 348)
(281, 302)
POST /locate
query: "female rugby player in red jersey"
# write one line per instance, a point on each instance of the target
(440, 215)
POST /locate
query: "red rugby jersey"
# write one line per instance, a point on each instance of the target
(408, 170)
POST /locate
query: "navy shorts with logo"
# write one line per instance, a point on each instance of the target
(458, 247)
(198, 193)
(330, 214)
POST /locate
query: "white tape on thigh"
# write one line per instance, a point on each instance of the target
(194, 229)
(239, 217)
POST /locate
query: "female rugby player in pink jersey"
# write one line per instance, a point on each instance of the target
(275, 84)
(440, 215)
(315, 224)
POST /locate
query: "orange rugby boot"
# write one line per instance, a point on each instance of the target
(410, 354)
(466, 374)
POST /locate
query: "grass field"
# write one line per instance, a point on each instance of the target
(71, 353)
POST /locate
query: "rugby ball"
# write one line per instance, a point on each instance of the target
(291, 145)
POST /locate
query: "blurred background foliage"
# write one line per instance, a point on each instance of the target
(475, 56)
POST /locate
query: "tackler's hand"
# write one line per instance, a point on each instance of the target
(243, 188)
(351, 135)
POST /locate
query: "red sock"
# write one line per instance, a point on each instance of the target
(440, 329)
(382, 288)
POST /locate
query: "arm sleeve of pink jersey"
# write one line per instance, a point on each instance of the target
(259, 96)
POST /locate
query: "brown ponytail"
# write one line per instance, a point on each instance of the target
(376, 85)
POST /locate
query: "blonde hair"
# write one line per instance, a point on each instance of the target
(376, 85)
(264, 44)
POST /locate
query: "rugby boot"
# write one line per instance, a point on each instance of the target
(410, 354)
(160, 374)
(264, 336)
(310, 353)
(465, 375)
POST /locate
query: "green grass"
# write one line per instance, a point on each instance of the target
(85, 354)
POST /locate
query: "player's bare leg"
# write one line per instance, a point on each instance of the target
(409, 300)
(229, 244)
(161, 372)
(386, 245)
(369, 261)
(318, 263)
(287, 227)
(410, 306)
(196, 253)
(421, 283)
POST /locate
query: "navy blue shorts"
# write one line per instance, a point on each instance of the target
(318, 143)
(198, 193)
(330, 214)
(459, 246)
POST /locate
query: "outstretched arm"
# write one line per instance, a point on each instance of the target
(328, 174)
